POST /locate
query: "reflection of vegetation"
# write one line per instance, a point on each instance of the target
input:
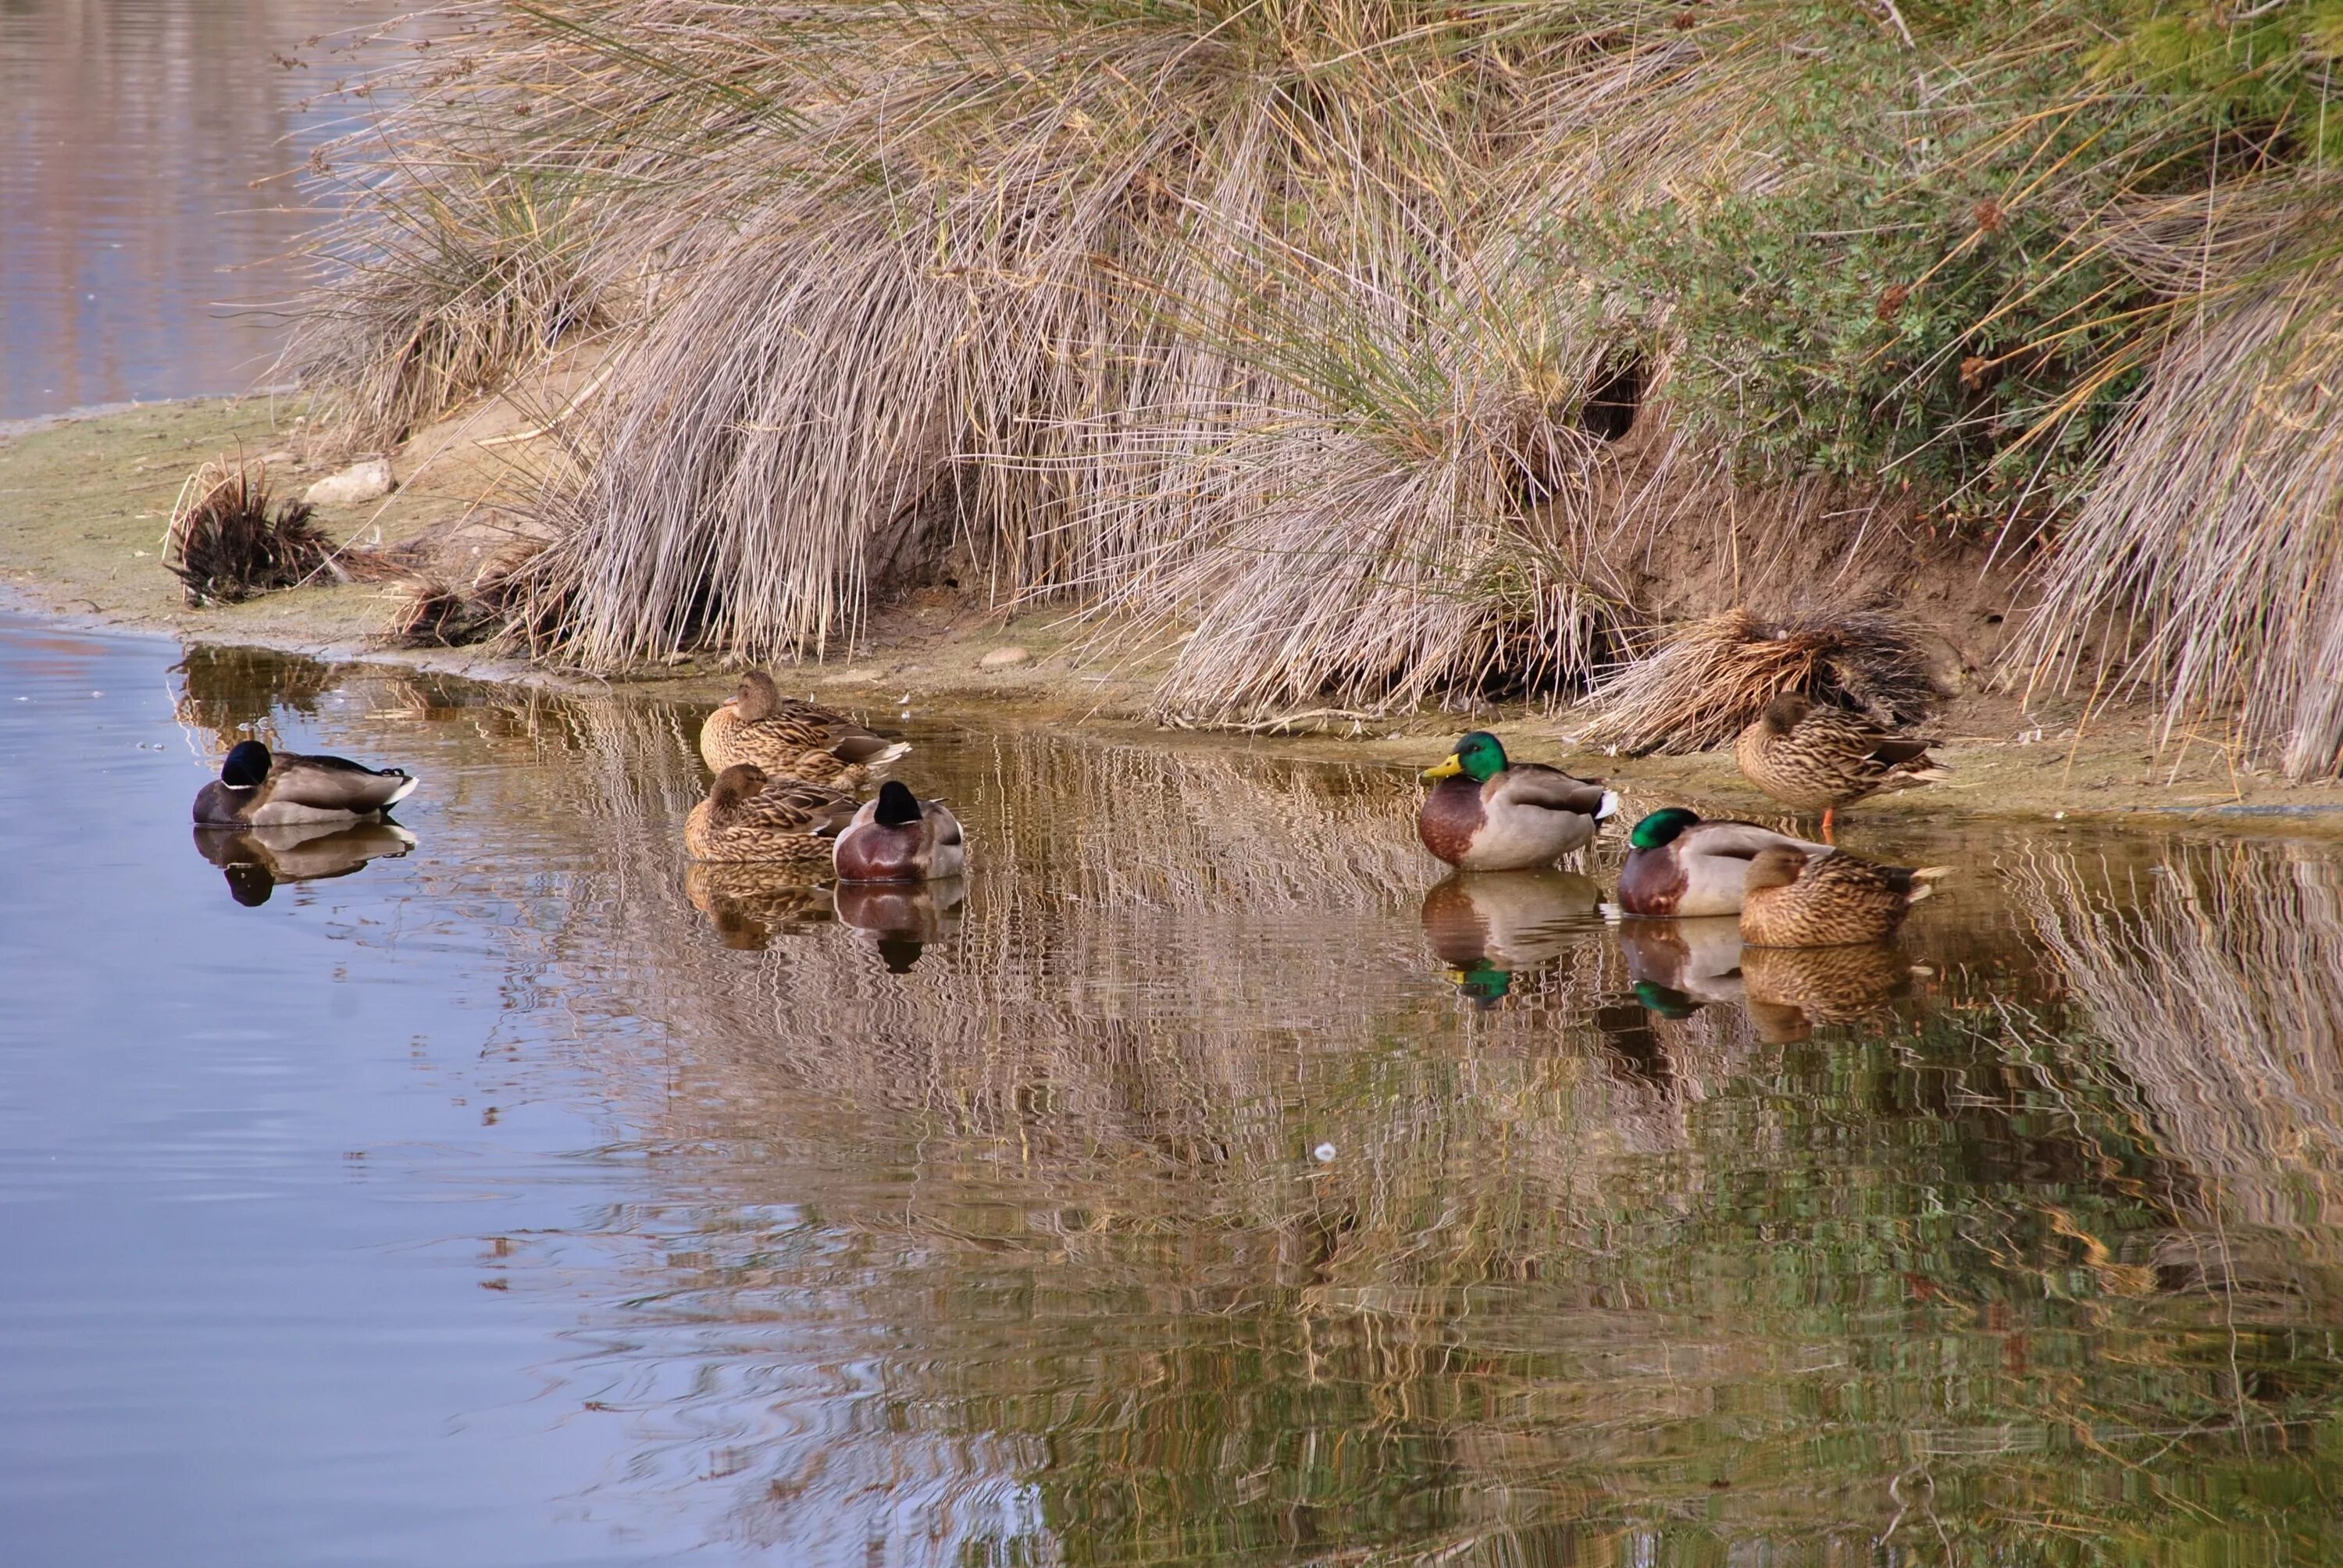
(235, 693)
(1027, 1254)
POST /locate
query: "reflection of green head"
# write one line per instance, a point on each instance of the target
(1662, 827)
(1666, 1002)
(1485, 983)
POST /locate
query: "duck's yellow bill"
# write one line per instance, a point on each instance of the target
(1448, 769)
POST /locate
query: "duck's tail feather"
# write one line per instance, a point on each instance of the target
(1610, 807)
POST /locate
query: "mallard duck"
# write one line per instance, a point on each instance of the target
(1679, 866)
(748, 817)
(1806, 755)
(1488, 926)
(257, 861)
(904, 917)
(900, 839)
(1793, 901)
(258, 789)
(791, 739)
(1488, 814)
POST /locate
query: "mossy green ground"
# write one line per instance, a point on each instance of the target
(84, 503)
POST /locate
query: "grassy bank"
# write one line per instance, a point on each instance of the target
(80, 501)
(1367, 355)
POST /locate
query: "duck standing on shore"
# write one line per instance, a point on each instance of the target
(789, 737)
(1488, 813)
(1806, 754)
(750, 816)
(898, 838)
(1794, 901)
(1679, 866)
(258, 789)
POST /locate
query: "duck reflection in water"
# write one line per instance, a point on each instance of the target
(750, 903)
(905, 917)
(1791, 990)
(1487, 927)
(257, 861)
(1678, 966)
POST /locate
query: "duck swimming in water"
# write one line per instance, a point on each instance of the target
(257, 788)
(748, 817)
(1679, 866)
(1794, 902)
(1488, 813)
(900, 839)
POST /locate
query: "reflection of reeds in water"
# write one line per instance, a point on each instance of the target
(2215, 972)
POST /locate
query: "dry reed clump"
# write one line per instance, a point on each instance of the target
(1708, 681)
(226, 542)
(2215, 537)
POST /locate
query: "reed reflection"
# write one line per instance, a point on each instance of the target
(1685, 1251)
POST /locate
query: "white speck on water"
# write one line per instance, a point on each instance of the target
(97, 694)
(1323, 1153)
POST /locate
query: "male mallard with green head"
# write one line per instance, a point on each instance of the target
(256, 788)
(898, 838)
(748, 817)
(1486, 813)
(1679, 866)
(1806, 754)
(1794, 901)
(793, 738)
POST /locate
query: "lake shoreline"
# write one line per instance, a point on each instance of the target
(84, 497)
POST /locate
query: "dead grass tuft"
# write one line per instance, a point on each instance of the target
(1709, 679)
(227, 541)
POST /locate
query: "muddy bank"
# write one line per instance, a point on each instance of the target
(84, 503)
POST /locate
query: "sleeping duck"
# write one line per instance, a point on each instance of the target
(1797, 903)
(1488, 814)
(1806, 754)
(793, 738)
(748, 817)
(898, 837)
(1679, 866)
(256, 788)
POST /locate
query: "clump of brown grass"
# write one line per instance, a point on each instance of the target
(2215, 536)
(1709, 679)
(227, 542)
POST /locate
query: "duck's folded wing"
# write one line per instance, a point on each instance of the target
(1550, 790)
(1747, 841)
(337, 784)
(798, 807)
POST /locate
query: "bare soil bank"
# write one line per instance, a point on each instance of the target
(84, 503)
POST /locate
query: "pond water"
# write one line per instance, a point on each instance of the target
(1206, 1181)
(147, 223)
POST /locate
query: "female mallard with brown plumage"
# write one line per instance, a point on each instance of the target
(1804, 755)
(793, 738)
(898, 838)
(748, 817)
(1486, 813)
(1680, 867)
(1795, 901)
(256, 788)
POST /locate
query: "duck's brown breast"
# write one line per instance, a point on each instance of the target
(1450, 818)
(1651, 882)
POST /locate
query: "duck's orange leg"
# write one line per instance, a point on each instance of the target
(1830, 819)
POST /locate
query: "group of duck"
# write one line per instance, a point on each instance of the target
(789, 776)
(788, 792)
(1488, 813)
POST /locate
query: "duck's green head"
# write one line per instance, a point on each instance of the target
(1480, 756)
(247, 765)
(1662, 827)
(1483, 985)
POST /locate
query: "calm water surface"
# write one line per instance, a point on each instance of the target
(1206, 1181)
(146, 233)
